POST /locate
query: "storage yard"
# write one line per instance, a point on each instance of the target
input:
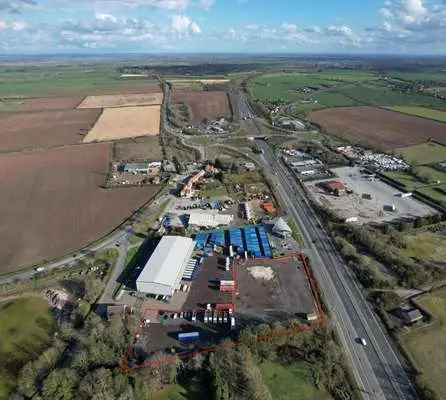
(125, 122)
(59, 205)
(371, 200)
(204, 105)
(230, 280)
(283, 295)
(377, 127)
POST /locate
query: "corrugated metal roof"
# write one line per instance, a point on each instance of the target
(167, 261)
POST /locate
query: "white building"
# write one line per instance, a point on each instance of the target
(163, 271)
(282, 229)
(208, 220)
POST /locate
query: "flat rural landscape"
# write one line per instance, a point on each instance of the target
(377, 127)
(125, 122)
(204, 105)
(60, 201)
(183, 223)
(43, 129)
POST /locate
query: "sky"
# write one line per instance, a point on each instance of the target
(223, 26)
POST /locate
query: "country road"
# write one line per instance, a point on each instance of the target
(377, 368)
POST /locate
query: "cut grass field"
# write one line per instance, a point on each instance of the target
(25, 330)
(425, 153)
(423, 112)
(291, 382)
(427, 346)
(124, 123)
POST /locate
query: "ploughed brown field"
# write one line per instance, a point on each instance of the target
(377, 127)
(43, 129)
(43, 103)
(52, 202)
(204, 105)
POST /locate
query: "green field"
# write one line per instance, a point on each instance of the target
(284, 85)
(427, 346)
(25, 330)
(434, 76)
(434, 190)
(425, 153)
(69, 80)
(427, 246)
(421, 112)
(337, 89)
(379, 94)
(293, 382)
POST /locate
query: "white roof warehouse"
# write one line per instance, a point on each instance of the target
(163, 271)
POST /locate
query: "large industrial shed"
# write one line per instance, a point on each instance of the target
(163, 271)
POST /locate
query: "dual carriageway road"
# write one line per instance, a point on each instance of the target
(379, 371)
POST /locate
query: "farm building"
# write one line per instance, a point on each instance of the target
(163, 271)
(136, 168)
(282, 229)
(334, 187)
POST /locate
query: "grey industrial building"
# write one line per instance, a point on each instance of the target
(164, 270)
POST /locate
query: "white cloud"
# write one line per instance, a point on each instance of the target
(184, 25)
(15, 6)
(3, 25)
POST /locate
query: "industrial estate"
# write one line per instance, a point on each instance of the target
(227, 230)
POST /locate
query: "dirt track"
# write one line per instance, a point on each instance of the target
(204, 105)
(51, 203)
(19, 131)
(377, 127)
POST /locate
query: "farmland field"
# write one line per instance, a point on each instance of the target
(425, 153)
(377, 127)
(378, 94)
(125, 122)
(274, 86)
(67, 80)
(434, 76)
(25, 328)
(122, 100)
(428, 346)
(19, 131)
(204, 105)
(39, 104)
(422, 112)
(52, 203)
(141, 148)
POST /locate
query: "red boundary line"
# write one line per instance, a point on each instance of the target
(170, 359)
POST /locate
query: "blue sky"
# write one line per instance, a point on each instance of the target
(267, 26)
